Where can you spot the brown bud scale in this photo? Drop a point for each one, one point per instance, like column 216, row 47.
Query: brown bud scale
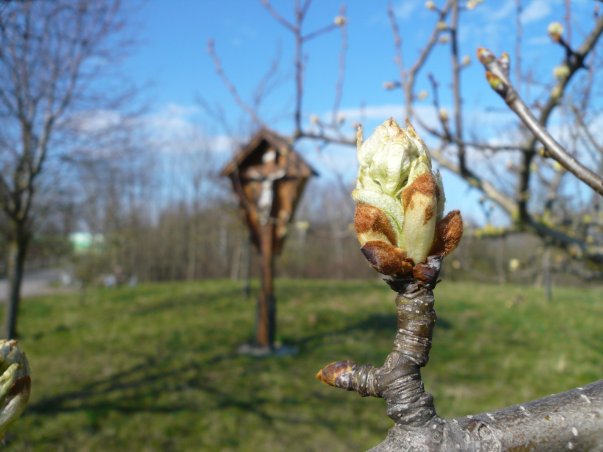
column 449, row 231
column 387, row 259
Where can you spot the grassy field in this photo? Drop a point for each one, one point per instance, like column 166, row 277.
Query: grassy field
column 156, row 368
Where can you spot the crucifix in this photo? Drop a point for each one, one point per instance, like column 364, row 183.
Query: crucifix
column 268, row 176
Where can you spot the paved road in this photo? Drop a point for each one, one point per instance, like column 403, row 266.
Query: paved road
column 38, row 282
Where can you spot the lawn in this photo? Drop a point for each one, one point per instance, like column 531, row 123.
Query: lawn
column 156, row 367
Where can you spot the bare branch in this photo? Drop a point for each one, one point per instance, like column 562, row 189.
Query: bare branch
column 342, row 67
column 518, row 39
column 280, row 19
column 506, row 203
column 456, row 88
column 590, row 137
column 321, row 31
column 211, row 50
column 328, row 138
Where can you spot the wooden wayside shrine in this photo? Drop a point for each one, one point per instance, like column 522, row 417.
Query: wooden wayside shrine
column 268, row 177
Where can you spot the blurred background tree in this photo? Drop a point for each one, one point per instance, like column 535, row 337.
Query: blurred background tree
column 57, row 63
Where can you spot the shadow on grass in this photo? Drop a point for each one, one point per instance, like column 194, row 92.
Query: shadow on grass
column 384, row 324
column 138, row 388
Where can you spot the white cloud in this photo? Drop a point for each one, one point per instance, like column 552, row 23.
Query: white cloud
column 494, row 21
column 502, row 12
column 373, row 112
column 174, row 129
column 94, row 121
column 536, row 10
column 406, row 8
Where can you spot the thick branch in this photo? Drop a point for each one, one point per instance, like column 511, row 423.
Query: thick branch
column 567, row 421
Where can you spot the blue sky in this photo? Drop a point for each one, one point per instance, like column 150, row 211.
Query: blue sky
column 173, row 57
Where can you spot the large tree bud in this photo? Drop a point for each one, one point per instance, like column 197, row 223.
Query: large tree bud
column 15, row 383
column 400, row 202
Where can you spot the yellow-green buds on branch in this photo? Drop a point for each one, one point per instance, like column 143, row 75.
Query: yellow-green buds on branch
column 472, row 4
column 485, row 56
column 555, row 30
column 15, row 383
column 561, row 72
column 400, row 202
column 443, row 114
column 339, row 21
column 497, row 70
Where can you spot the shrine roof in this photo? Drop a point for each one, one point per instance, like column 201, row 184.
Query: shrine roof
column 251, row 153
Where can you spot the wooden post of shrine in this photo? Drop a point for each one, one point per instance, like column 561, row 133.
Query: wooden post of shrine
column 266, row 311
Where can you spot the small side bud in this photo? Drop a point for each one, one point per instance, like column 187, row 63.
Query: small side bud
column 485, row 56
column 505, row 62
column 337, row 374
column 555, row 31
column 430, row 6
column 472, row 4
column 339, row 21
column 466, row 61
column 496, row 83
column 561, row 72
column 422, row 95
column 443, row 114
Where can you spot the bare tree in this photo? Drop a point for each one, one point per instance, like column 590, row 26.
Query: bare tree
column 51, row 56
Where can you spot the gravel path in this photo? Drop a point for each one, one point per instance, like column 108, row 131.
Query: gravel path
column 38, row 282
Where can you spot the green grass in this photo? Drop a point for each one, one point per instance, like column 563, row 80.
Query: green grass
column 156, row 367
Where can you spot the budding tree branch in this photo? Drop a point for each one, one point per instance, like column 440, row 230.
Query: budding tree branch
column 497, row 75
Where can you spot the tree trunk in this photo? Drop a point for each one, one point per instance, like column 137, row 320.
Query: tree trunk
column 17, row 250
